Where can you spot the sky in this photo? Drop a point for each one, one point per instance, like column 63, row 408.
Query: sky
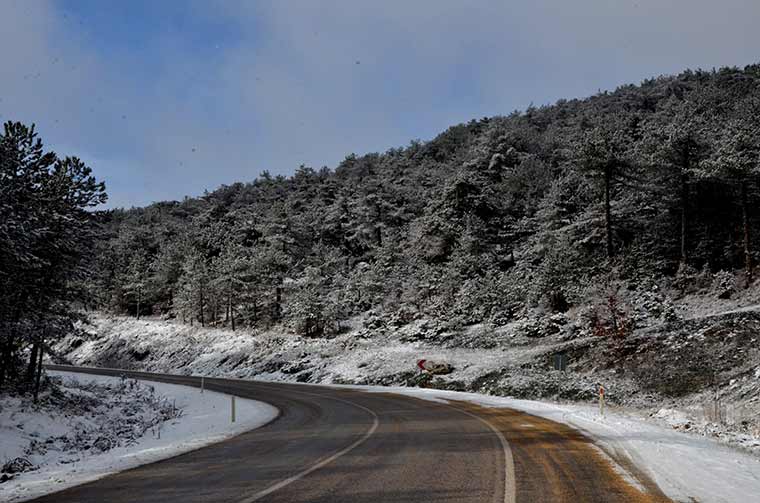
column 166, row 99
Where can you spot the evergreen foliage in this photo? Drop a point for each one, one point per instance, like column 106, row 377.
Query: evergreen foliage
column 46, row 241
column 487, row 219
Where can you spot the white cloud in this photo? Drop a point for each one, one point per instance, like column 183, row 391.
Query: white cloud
column 312, row 81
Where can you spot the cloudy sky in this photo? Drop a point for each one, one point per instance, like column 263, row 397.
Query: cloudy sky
column 168, row 98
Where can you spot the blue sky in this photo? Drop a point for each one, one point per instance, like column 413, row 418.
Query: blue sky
column 169, row 98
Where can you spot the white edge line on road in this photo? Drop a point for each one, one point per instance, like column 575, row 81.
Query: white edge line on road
column 322, row 462
column 510, row 485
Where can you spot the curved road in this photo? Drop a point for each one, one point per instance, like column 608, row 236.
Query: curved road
column 345, row 446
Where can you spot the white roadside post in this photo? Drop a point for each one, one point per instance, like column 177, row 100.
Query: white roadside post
column 601, row 400
column 232, row 403
column 202, row 384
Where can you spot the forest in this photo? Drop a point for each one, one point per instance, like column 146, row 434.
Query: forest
column 488, row 219
column 47, row 232
column 548, row 208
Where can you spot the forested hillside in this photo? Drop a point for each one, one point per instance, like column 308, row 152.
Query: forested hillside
column 582, row 203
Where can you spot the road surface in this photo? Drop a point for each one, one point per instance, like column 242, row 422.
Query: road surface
column 345, row 446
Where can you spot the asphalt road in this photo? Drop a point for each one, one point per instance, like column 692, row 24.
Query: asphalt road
column 345, row 446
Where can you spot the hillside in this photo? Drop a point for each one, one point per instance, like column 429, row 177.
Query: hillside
column 582, row 203
column 669, row 373
column 620, row 230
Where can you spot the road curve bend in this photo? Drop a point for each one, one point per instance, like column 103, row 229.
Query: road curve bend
column 345, row 446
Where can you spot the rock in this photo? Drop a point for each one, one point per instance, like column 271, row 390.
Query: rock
column 17, row 465
column 497, row 161
column 436, row 368
column 295, row 367
column 674, row 418
column 103, row 444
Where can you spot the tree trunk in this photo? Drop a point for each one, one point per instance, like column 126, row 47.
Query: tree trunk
column 2, row 364
column 6, row 357
column 232, row 315
column 278, row 299
column 7, row 350
column 608, row 209
column 32, row 367
column 378, row 229
column 745, row 224
column 39, row 371
column 203, row 319
column 684, row 210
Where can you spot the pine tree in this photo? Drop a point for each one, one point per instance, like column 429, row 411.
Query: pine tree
column 675, row 139
column 193, row 294
column 737, row 161
column 233, row 278
column 604, row 154
column 136, row 280
column 46, row 235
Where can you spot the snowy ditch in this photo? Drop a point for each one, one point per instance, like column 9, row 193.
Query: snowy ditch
column 93, row 439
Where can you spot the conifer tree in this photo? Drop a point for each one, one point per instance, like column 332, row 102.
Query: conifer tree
column 604, row 154
column 737, row 161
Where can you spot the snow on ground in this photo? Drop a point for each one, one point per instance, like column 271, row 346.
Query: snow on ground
column 158, row 345
column 698, row 305
column 501, row 362
column 205, row 419
column 685, row 467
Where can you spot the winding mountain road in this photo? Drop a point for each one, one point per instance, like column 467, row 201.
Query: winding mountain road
column 346, row 446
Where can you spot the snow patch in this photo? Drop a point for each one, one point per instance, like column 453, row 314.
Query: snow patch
column 674, row 418
column 205, row 420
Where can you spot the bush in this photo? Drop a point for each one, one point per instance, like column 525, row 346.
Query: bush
column 724, row 284
column 689, row 280
column 654, row 304
column 612, row 319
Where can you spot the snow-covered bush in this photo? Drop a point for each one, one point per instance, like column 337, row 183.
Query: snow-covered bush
column 724, row 284
column 540, row 326
column 652, row 304
column 690, row 280
column 16, row 465
column 94, row 418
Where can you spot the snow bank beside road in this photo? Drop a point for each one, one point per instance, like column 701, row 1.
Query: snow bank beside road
column 205, row 420
column 686, row 467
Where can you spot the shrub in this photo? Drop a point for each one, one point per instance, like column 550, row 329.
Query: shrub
column 612, row 319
